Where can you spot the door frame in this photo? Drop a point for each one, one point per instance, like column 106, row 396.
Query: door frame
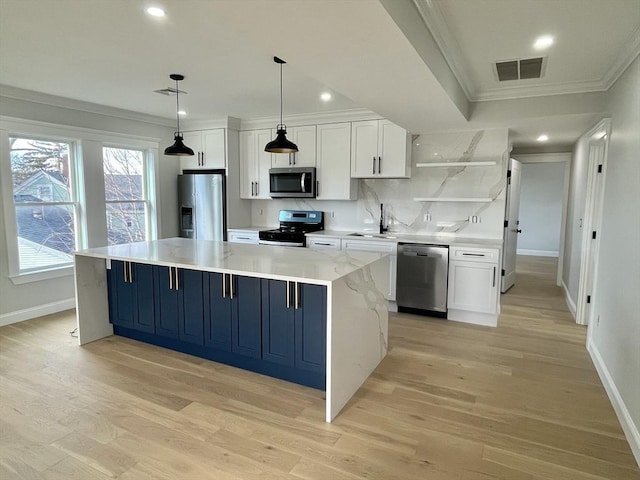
column 592, row 220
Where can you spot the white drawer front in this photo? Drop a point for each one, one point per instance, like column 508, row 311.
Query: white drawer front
column 368, row 246
column 470, row 254
column 324, row 243
column 243, row 237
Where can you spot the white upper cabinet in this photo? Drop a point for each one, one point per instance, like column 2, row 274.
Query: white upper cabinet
column 334, row 163
column 209, row 149
column 254, row 164
column 305, row 138
column 380, row 149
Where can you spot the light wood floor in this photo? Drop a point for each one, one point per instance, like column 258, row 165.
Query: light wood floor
column 450, row 401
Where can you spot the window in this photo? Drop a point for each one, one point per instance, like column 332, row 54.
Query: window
column 44, row 199
column 125, row 185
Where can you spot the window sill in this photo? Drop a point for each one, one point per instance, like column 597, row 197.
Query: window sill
column 38, row 276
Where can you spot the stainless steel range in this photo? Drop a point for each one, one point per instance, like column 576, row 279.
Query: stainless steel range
column 293, row 225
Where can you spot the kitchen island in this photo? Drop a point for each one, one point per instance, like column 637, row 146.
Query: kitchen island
column 307, row 316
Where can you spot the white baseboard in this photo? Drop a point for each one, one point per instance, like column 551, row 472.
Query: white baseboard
column 38, row 311
column 570, row 303
column 486, row 319
column 538, row 253
column 629, row 428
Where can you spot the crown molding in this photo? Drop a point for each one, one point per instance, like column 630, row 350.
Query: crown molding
column 510, row 93
column 310, row 119
column 433, row 18
column 80, row 105
column 628, row 54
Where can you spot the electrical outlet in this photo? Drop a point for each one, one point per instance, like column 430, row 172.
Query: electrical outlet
column 261, row 211
column 427, row 217
column 474, row 219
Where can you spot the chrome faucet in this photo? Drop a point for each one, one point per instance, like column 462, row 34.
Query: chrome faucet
column 382, row 227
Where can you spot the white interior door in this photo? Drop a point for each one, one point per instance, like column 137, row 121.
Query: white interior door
column 511, row 228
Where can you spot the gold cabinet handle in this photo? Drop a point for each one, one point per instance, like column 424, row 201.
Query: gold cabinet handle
column 170, row 279
column 130, row 273
column 288, row 295
column 297, row 295
column 224, row 285
column 231, row 285
column 177, row 278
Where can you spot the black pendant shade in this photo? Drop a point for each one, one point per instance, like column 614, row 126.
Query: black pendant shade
column 280, row 144
column 178, row 148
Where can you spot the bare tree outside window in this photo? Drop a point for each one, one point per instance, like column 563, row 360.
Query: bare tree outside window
column 43, row 201
column 125, row 195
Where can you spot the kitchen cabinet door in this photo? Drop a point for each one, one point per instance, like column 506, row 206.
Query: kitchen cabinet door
column 167, row 302
column 246, row 318
column 209, row 148
column 131, row 301
column 278, row 322
column 218, row 312
column 191, row 296
column 254, row 164
column 473, row 286
column 379, row 149
column 333, row 161
column 310, row 327
column 305, row 138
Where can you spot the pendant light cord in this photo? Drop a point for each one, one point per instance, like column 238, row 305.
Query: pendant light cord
column 177, row 107
column 280, row 94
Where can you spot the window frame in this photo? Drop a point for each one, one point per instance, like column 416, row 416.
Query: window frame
column 86, row 233
column 148, row 189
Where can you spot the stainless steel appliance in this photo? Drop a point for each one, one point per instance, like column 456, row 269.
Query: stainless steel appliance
column 293, row 225
column 422, row 278
column 296, row 182
column 202, row 204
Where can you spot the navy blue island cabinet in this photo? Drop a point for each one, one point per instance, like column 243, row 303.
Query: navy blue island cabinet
column 273, row 327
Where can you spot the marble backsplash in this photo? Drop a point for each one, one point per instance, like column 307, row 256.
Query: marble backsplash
column 452, row 186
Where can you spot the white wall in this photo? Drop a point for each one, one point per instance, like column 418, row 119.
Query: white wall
column 19, row 302
column 614, row 340
column 541, row 196
column 406, row 215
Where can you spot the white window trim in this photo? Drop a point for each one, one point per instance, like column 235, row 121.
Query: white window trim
column 10, row 126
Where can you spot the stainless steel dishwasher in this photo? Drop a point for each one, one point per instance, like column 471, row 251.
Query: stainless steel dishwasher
column 422, row 278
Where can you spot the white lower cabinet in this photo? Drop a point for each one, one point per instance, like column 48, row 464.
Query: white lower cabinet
column 378, row 247
column 242, row 236
column 474, row 277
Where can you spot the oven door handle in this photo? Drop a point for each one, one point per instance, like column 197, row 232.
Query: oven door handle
column 302, row 187
column 281, row 244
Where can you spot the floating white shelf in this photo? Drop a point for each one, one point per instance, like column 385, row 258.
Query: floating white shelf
column 455, row 164
column 452, row 199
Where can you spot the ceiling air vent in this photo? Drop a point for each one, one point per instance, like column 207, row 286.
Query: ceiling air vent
column 519, row 69
column 168, row 91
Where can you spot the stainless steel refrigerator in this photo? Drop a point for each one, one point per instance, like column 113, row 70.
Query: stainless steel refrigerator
column 202, row 205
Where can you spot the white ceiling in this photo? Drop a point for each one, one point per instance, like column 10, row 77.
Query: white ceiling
column 109, row 52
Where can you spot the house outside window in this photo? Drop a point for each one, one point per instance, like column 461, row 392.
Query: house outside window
column 126, row 194
column 45, row 202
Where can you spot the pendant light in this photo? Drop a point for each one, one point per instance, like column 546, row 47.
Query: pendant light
column 178, row 148
column 281, row 144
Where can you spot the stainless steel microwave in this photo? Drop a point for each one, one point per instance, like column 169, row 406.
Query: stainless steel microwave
column 296, row 182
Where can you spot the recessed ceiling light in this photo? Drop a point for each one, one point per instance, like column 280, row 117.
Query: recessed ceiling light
column 543, row 42
column 325, row 97
column 543, row 138
column 182, row 112
column 156, row 12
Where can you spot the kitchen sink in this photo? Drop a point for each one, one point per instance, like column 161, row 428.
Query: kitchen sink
column 372, row 235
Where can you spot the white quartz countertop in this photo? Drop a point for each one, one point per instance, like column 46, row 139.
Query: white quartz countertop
column 437, row 239
column 320, row 267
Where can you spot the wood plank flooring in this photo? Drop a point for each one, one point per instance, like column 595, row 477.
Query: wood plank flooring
column 451, row 401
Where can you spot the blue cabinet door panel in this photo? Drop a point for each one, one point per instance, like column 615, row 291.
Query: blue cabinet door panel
column 311, row 328
column 191, row 295
column 218, row 313
column 167, row 304
column 246, row 317
column 125, row 310
column 277, row 322
column 143, row 279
